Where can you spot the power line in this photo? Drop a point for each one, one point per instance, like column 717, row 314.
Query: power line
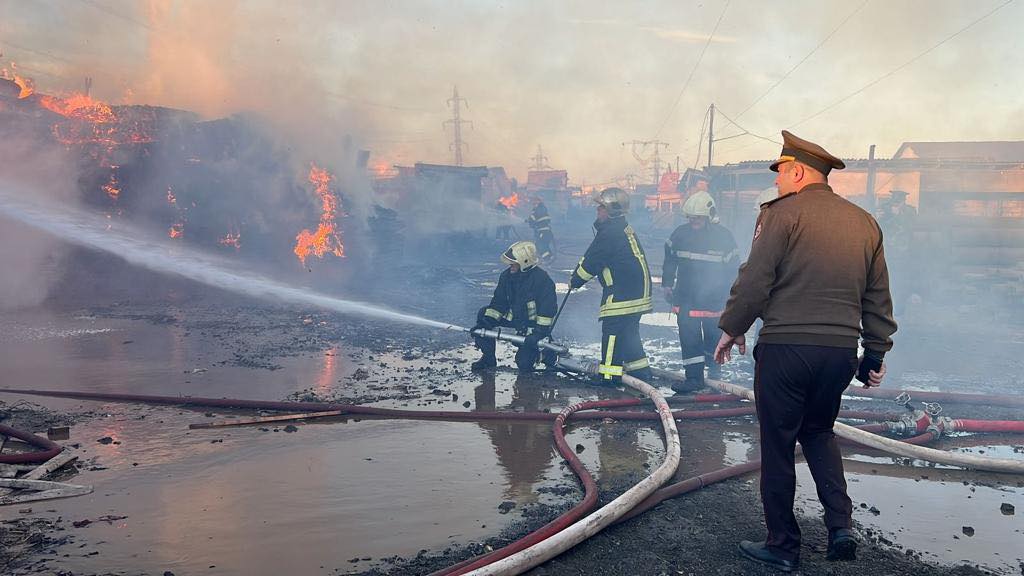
column 804, row 59
column 745, row 131
column 38, row 52
column 692, row 71
column 903, row 65
column 117, row 14
column 375, row 104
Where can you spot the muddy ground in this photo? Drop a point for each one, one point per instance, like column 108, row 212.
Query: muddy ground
column 230, row 347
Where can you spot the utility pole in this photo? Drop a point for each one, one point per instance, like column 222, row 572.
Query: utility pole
column 711, row 131
column 640, row 148
column 540, row 161
column 869, row 195
column 456, row 122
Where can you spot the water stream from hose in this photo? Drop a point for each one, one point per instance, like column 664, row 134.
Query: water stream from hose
column 158, row 255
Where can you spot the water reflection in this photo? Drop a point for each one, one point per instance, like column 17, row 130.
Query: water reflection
column 524, row 449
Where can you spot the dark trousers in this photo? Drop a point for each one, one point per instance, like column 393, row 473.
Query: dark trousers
column 622, row 350
column 526, row 357
column 697, row 339
column 544, row 240
column 798, row 391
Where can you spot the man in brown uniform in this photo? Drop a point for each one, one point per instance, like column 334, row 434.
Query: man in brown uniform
column 816, row 275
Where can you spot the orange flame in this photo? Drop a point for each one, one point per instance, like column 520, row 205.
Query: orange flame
column 233, row 239
column 111, row 188
column 25, row 84
column 509, row 201
column 79, row 106
column 326, row 239
column 176, row 230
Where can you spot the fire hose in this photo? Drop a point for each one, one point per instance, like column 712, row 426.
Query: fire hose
column 49, row 447
column 976, row 462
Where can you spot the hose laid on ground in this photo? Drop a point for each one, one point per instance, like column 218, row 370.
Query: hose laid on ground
column 895, row 447
column 702, row 480
column 49, row 447
column 565, row 519
column 580, row 531
column 952, row 397
column 959, row 425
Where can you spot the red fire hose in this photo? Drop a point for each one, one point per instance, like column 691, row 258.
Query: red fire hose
column 955, row 425
column 50, row 448
column 564, row 520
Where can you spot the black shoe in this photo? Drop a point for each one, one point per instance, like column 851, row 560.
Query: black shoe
column 842, row 545
column 688, row 386
column 485, row 363
column 759, row 553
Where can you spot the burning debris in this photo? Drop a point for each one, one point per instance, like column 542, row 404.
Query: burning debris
column 326, row 239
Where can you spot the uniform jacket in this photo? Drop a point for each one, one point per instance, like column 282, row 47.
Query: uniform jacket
column 617, row 259
column 816, row 274
column 524, row 300
column 700, row 265
column 539, row 219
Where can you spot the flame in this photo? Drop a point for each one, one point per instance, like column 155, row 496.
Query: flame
column 26, row 85
column 509, row 201
column 233, row 239
column 79, row 106
column 176, row 230
column 326, row 239
column 111, row 188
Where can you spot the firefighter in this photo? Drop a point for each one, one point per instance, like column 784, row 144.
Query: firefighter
column 540, row 222
column 897, row 219
column 701, row 259
column 523, row 300
column 616, row 258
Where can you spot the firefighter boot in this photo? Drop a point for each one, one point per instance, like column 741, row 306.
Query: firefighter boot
column 486, row 362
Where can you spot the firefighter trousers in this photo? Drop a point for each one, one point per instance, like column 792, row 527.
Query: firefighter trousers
column 622, row 350
column 798, row 390
column 526, row 357
column 698, row 337
column 545, row 241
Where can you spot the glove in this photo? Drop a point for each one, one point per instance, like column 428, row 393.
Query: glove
column 531, row 340
column 575, row 281
column 870, row 362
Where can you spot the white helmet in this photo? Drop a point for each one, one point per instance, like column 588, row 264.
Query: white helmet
column 700, row 204
column 766, row 195
column 523, row 253
column 614, row 200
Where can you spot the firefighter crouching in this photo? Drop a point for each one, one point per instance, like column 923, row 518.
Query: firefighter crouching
column 523, row 300
column 616, row 258
column 540, row 222
column 700, row 264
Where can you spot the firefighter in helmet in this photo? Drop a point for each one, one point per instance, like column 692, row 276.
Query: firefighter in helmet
column 523, row 300
column 616, row 258
column 540, row 222
column 701, row 259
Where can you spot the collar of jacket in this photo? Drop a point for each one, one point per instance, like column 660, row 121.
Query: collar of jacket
column 816, row 187
column 611, row 223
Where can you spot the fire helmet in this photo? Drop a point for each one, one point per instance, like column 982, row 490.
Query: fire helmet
column 614, row 200
column 523, row 253
column 766, row 195
column 699, row 204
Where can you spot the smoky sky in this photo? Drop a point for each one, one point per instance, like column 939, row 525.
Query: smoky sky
column 578, row 78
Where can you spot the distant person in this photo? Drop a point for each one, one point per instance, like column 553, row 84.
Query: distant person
column 700, row 264
column 503, row 228
column 616, row 258
column 540, row 222
column 524, row 300
column 817, row 276
column 897, row 219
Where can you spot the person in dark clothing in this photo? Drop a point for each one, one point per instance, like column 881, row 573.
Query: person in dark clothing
column 523, row 300
column 700, row 264
column 540, row 222
column 503, row 226
column 616, row 258
column 817, row 276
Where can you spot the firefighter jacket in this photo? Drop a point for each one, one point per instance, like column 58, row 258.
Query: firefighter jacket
column 525, row 301
column 700, row 265
column 617, row 259
column 539, row 219
column 816, row 275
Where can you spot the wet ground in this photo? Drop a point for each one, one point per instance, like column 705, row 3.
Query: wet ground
column 407, row 497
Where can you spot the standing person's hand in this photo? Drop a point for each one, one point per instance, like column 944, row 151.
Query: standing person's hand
column 875, row 377
column 723, row 352
column 871, row 369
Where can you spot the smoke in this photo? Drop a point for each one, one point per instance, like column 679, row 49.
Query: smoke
column 31, row 259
